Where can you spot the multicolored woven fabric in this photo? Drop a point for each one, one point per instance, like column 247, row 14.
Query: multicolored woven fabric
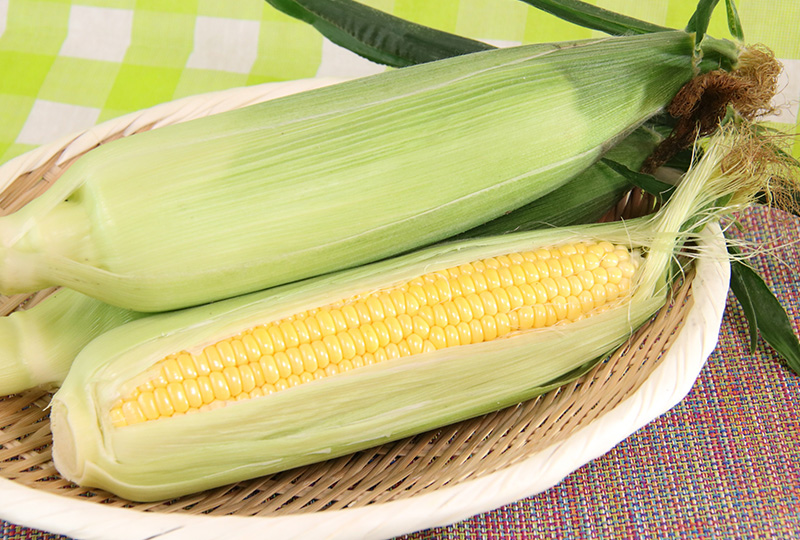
column 722, row 464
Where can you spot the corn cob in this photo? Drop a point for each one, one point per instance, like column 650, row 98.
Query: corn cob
column 338, row 176
column 472, row 303
column 180, row 402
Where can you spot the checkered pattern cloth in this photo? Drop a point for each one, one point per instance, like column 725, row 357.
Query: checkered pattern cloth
column 723, row 464
column 65, row 66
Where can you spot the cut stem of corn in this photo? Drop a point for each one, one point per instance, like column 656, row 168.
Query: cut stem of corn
column 338, row 176
column 184, row 401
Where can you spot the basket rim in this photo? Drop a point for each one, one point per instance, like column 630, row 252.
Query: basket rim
column 667, row 385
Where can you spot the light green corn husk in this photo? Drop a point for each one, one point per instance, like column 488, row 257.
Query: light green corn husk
column 366, row 406
column 38, row 345
column 338, row 176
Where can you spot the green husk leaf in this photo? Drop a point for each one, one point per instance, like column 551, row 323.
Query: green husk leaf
column 38, row 344
column 649, row 183
column 596, row 18
column 698, row 23
column 734, row 23
column 764, row 312
column 375, row 35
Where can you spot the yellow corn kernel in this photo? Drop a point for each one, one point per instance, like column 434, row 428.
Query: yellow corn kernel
column 187, row 367
column 147, row 404
column 193, row 396
column 226, row 354
column 132, row 413
column 172, row 370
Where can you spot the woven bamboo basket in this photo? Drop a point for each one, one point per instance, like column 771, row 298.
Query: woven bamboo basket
column 428, row 480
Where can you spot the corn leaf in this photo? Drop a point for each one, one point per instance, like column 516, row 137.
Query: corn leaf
column 376, row 35
column 764, row 312
column 742, row 294
column 700, row 19
column 38, row 344
column 661, row 190
column 596, row 18
column 734, row 23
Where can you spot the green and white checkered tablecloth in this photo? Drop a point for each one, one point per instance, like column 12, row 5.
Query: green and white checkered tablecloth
column 68, row 65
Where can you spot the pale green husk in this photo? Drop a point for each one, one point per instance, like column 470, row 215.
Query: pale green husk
column 585, row 198
column 38, row 345
column 361, row 408
column 338, row 176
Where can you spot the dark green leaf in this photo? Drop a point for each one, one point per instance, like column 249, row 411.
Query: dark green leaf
column 734, row 23
column 683, row 160
column 700, row 19
column 661, row 190
column 596, row 18
column 767, row 313
column 743, row 296
column 376, row 35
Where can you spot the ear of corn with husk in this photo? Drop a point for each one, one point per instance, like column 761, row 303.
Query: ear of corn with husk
column 339, row 176
column 377, row 389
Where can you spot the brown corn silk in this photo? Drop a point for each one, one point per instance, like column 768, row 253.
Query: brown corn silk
column 703, row 102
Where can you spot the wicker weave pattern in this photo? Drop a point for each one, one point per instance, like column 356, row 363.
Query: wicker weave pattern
column 405, row 468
